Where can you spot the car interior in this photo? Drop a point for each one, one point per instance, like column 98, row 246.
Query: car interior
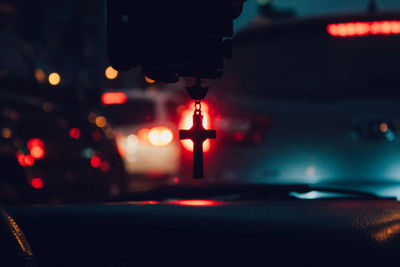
column 301, row 99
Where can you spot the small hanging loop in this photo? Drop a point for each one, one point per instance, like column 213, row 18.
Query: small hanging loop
column 197, row 106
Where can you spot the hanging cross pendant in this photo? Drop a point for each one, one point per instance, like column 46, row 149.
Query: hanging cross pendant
column 198, row 135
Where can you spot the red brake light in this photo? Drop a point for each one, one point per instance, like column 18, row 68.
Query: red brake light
column 113, row 98
column 349, row 29
column 187, row 123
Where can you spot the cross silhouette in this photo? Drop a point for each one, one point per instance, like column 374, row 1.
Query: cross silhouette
column 198, row 135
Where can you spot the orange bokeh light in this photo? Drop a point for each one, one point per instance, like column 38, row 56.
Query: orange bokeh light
column 111, row 73
column 54, row 78
column 148, row 80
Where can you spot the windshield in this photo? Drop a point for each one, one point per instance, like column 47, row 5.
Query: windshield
column 309, row 101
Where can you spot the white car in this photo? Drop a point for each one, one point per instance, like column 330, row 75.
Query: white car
column 144, row 123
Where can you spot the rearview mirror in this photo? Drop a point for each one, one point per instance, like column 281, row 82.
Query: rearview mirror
column 171, row 38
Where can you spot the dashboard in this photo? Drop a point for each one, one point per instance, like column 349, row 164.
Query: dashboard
column 215, row 233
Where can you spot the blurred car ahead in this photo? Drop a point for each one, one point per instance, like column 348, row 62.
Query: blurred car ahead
column 145, row 126
column 332, row 100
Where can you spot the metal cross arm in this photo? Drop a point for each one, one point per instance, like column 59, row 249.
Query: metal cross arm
column 198, row 135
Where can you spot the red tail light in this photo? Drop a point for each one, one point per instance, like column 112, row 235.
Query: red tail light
column 36, row 148
column 349, row 29
column 113, row 98
column 187, row 123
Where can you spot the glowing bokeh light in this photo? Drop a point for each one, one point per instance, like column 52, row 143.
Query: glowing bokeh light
column 37, row 152
column 40, row 75
column 35, row 142
column 75, row 133
column 54, row 78
column 21, row 158
column 148, row 80
column 101, row 122
column 95, row 161
column 111, row 73
column 29, row 160
column 6, row 133
column 113, row 98
column 160, row 136
column 36, row 148
column 37, row 183
column 383, row 127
